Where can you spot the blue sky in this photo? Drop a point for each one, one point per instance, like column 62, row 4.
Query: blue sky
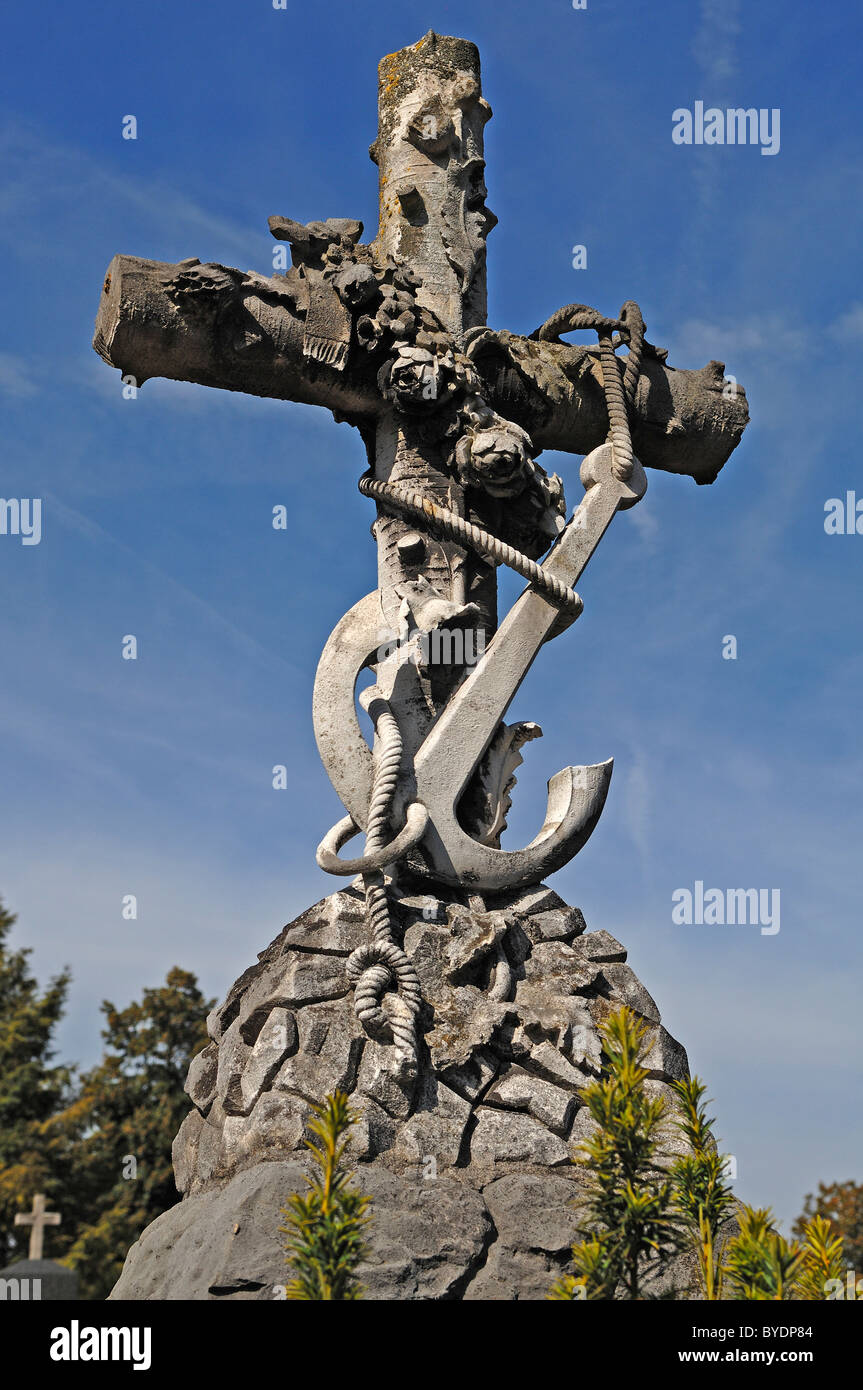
column 154, row 777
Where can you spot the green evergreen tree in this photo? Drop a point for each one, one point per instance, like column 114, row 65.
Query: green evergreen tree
column 842, row 1204
column 700, row 1192
column 642, row 1207
column 823, row 1259
column 759, row 1263
column 114, row 1139
column 627, row 1209
column 32, row 1088
column 325, row 1225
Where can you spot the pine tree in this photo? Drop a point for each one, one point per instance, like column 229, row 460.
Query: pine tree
column 842, row 1204
column 325, row 1225
column 701, row 1194
column 116, row 1135
column 823, row 1260
column 31, row 1090
column 760, row 1264
column 641, row 1207
column 627, row 1208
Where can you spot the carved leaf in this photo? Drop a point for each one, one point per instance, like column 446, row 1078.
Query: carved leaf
column 487, row 801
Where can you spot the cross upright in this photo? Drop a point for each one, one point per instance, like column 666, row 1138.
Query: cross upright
column 391, row 336
column 37, row 1219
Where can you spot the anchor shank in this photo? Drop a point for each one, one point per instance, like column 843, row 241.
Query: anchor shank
column 463, row 731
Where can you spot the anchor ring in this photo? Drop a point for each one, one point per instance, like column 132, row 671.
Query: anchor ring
column 327, row 854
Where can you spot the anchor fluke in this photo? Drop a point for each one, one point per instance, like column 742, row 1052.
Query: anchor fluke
column 576, row 796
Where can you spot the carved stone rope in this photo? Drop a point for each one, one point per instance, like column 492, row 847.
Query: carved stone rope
column 619, row 396
column 381, row 965
column 454, row 527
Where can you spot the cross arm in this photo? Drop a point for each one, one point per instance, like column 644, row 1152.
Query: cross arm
column 246, row 332
column 685, row 422
column 217, row 326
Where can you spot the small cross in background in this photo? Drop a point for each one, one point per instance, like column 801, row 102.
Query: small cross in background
column 38, row 1218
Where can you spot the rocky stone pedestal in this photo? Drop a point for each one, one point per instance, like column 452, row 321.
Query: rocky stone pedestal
column 468, row 1163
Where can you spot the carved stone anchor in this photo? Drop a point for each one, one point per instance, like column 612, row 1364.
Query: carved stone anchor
column 460, row 736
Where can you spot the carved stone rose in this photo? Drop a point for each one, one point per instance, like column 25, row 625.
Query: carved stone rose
column 413, row 379
column 355, row 284
column 495, row 456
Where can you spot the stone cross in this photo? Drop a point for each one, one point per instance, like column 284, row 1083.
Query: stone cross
column 38, row 1219
column 391, row 336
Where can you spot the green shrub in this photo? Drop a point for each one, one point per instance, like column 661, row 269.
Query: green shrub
column 627, row 1207
column 701, row 1195
column 325, row 1226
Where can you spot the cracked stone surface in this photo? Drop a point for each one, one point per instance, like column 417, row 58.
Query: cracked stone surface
column 469, row 1163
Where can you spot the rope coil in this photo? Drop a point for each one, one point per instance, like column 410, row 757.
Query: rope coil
column 619, row 395
column 381, row 965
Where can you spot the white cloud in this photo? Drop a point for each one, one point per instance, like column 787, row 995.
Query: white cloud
column 209, row 915
column 79, row 183
column 17, row 377
column 646, row 524
column 849, row 326
column 702, row 340
column 715, row 44
column 91, row 531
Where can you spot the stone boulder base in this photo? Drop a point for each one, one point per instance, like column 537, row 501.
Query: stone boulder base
column 468, row 1164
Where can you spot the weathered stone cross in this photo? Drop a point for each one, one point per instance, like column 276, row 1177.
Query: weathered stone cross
column 38, row 1219
column 391, row 337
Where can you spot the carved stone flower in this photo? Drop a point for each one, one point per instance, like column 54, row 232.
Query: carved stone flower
column 369, row 332
column 397, row 312
column 413, row 379
column 496, row 456
column 355, row 284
